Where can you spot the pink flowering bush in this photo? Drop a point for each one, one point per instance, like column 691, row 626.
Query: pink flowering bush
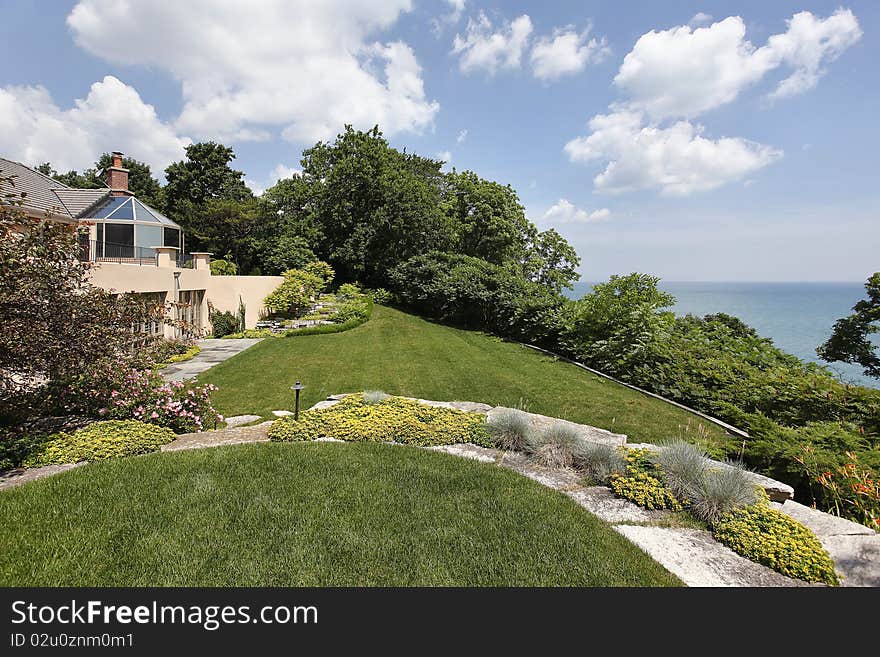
column 182, row 406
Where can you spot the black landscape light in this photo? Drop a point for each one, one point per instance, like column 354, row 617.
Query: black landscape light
column 297, row 387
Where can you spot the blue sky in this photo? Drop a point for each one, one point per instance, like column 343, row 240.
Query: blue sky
column 742, row 147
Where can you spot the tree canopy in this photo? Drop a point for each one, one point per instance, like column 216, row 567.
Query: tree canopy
column 850, row 341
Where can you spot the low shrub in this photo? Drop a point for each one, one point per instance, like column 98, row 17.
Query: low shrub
column 599, row 462
column 720, row 491
column 381, row 296
column 353, row 310
column 393, row 419
column 223, row 323
column 763, row 534
column 222, row 267
column 161, row 350
column 347, row 291
column 182, row 406
column 684, row 465
column 101, row 441
column 557, row 445
column 189, row 354
column 322, row 329
column 251, row 333
column 644, row 483
column 510, row 429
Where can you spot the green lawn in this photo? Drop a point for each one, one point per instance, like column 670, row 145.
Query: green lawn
column 405, row 355
column 307, row 514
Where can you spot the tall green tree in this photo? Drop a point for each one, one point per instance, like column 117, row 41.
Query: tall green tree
column 229, row 229
column 374, row 205
column 850, row 341
column 488, row 219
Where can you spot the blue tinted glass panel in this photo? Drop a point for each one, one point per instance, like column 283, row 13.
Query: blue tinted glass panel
column 112, row 205
column 143, row 213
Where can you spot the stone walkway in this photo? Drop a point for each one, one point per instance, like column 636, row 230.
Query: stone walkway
column 213, row 352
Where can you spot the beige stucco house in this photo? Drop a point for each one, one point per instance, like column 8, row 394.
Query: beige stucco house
column 136, row 249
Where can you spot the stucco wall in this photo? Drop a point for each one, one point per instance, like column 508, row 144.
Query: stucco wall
column 222, row 291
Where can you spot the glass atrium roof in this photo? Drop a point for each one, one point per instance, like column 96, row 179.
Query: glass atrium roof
column 128, row 208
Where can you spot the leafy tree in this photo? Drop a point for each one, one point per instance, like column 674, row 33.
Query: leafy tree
column 56, row 329
column 488, row 219
column 620, row 324
column 294, row 296
column 222, row 267
column 278, row 254
column 228, row 228
column 552, row 261
column 205, row 175
column 373, row 205
column 850, row 341
column 322, row 270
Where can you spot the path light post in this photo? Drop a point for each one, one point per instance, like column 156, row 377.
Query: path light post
column 297, row 387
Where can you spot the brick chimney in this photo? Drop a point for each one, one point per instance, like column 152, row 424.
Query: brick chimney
column 117, row 177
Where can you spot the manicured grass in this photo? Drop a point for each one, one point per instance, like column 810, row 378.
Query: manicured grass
column 405, row 355
column 307, row 514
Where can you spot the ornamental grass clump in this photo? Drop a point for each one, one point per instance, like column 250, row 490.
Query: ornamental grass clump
column 685, row 467
column 510, row 429
column 722, row 490
column 557, row 446
column 374, row 397
column 599, row 461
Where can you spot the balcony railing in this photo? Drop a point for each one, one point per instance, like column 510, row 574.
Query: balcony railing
column 94, row 251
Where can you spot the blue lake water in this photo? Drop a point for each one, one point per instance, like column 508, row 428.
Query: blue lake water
column 798, row 317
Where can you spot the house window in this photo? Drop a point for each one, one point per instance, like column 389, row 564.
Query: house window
column 119, row 241
column 172, row 237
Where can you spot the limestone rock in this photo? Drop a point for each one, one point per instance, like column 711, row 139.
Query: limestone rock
column 856, row 558
column 593, row 434
column 282, row 413
column 239, row 420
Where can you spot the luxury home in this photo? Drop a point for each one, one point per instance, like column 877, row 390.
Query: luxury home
column 135, row 248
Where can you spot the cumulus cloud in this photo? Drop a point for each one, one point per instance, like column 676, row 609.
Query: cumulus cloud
column 485, row 47
column 566, row 212
column 677, row 160
column 649, row 140
column 700, row 18
column 33, row 129
column 566, row 52
column 304, row 67
column 684, row 72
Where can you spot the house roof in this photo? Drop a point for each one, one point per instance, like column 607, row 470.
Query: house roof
column 45, row 195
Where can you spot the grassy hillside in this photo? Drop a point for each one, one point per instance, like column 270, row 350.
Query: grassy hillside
column 405, row 355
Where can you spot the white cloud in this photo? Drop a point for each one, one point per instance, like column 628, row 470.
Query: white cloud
column 484, row 47
column 565, row 53
column 445, row 156
column 677, row 161
column 304, row 67
column 456, row 10
column 111, row 117
column 565, row 212
column 808, row 43
column 683, row 72
column 700, row 18
column 461, row 136
column 282, row 171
